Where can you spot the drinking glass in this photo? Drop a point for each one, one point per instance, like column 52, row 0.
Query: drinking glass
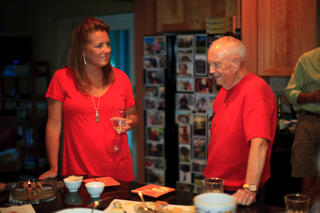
column 297, row 203
column 213, row 185
column 119, row 121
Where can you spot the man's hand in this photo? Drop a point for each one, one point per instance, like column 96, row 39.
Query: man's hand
column 304, row 98
column 245, row 197
column 316, row 96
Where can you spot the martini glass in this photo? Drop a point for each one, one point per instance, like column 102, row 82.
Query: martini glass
column 119, row 122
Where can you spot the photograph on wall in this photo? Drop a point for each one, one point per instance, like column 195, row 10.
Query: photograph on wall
column 201, row 103
column 161, row 104
column 155, row 162
column 183, row 117
column 197, row 178
column 185, row 187
column 160, row 45
column 200, row 65
column 201, row 44
column 154, row 149
column 184, row 134
column 151, row 91
column 185, row 84
column 151, row 62
column 185, row 173
column 155, row 117
column 211, row 38
column 185, row 101
column 154, row 77
column 184, row 153
column 162, row 91
column 150, row 103
column 155, row 133
column 198, row 165
column 162, row 62
column 204, row 85
column 156, row 176
column 185, row 41
column 184, row 69
column 199, row 124
column 199, row 148
column 185, row 56
column 211, row 98
column 148, row 45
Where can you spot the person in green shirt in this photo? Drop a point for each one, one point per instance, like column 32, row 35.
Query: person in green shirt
column 303, row 92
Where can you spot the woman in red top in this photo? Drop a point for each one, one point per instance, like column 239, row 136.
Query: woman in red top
column 83, row 96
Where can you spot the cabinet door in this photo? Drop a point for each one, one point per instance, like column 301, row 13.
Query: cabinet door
column 191, row 15
column 172, row 15
column 286, row 29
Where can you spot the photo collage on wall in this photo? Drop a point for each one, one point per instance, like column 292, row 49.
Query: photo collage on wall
column 154, row 64
column 196, row 92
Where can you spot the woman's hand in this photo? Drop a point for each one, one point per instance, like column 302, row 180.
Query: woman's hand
column 125, row 129
column 128, row 127
column 49, row 174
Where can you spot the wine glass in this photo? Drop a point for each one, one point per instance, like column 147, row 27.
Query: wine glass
column 119, row 121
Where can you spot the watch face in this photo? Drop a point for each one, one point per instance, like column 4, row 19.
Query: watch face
column 253, row 188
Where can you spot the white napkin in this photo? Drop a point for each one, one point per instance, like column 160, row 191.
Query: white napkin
column 27, row 208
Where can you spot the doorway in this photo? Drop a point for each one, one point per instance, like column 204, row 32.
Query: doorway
column 122, row 57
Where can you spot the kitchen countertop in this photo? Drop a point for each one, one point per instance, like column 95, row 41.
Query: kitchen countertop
column 81, row 199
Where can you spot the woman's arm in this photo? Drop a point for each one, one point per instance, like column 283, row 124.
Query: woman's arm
column 133, row 118
column 53, row 131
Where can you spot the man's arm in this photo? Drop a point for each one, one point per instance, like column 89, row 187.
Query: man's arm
column 256, row 162
column 304, row 98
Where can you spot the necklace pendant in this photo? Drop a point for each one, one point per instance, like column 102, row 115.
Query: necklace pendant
column 97, row 116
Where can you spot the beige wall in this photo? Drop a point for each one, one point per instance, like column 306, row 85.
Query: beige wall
column 36, row 18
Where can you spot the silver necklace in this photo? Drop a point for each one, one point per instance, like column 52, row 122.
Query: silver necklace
column 97, row 108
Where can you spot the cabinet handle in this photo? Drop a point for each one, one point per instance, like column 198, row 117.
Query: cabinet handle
column 190, row 15
column 196, row 14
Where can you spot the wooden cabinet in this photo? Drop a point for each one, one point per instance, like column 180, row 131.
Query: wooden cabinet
column 26, row 94
column 277, row 33
column 191, row 15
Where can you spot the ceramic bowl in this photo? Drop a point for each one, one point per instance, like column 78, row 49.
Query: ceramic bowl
column 156, row 207
column 95, row 188
column 72, row 186
column 215, row 203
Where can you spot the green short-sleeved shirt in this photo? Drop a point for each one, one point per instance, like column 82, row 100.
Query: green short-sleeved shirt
column 305, row 78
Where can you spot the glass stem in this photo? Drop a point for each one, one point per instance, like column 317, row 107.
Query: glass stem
column 117, row 139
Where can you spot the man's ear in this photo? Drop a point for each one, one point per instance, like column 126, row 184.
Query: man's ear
column 237, row 61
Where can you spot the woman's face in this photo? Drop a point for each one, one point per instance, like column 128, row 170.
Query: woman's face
column 98, row 50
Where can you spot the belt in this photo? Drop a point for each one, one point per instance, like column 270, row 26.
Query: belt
column 304, row 112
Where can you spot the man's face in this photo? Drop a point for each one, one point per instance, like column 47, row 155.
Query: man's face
column 221, row 67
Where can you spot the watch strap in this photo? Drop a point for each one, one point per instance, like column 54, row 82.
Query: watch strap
column 250, row 187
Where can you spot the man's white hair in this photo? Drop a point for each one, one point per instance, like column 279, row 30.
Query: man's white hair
column 229, row 45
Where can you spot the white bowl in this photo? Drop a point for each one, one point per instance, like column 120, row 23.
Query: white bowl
column 215, row 203
column 72, row 186
column 95, row 188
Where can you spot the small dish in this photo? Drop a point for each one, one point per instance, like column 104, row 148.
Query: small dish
column 153, row 190
column 72, row 186
column 155, row 207
column 95, row 188
column 79, row 210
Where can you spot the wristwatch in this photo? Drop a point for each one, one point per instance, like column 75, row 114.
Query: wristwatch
column 250, row 187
